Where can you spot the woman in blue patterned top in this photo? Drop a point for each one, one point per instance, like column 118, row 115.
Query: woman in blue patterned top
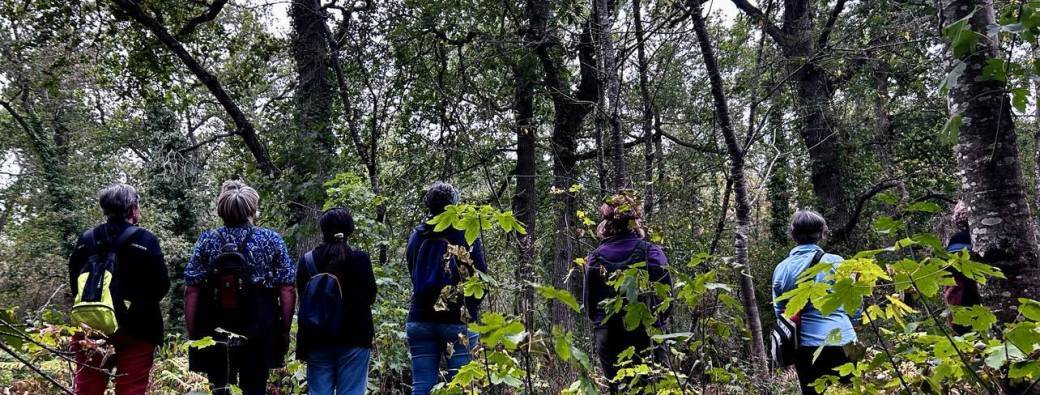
column 221, row 296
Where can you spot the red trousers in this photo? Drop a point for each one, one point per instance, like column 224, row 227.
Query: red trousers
column 132, row 361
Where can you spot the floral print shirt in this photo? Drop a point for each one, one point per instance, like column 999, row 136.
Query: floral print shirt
column 267, row 256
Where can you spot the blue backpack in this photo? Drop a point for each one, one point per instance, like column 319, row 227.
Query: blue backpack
column 433, row 271
column 321, row 306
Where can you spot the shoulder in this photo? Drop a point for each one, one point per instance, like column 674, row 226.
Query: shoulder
column 832, row 258
column 146, row 239
column 655, row 252
column 268, row 234
column 360, row 255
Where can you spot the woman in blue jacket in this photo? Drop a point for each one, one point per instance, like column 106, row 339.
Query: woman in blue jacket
column 807, row 229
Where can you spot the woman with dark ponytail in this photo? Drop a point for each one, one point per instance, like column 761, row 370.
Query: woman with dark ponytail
column 337, row 290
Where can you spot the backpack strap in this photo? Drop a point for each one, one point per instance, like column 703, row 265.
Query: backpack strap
column 639, row 253
column 106, row 244
column 125, row 236
column 308, row 262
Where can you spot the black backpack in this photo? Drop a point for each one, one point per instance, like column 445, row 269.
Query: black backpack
column 321, row 303
column 229, row 282
column 784, row 340
column 604, row 267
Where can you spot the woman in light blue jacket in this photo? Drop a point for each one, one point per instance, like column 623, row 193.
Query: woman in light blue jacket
column 807, row 229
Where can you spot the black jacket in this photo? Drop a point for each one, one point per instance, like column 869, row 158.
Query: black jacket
column 358, row 284
column 141, row 275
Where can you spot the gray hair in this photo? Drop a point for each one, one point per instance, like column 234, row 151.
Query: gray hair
column 237, row 203
column 807, row 227
column 118, row 200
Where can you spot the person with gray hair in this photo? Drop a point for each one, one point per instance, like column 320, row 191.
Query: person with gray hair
column 139, row 283
column 808, row 228
column 241, row 279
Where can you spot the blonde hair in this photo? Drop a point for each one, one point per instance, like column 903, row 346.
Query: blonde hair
column 237, row 203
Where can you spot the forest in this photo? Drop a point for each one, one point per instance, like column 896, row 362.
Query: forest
column 724, row 117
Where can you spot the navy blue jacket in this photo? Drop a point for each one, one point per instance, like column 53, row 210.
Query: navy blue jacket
column 421, row 312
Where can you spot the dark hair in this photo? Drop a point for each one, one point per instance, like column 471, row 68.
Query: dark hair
column 440, row 195
column 118, row 200
column 337, row 224
column 807, row 227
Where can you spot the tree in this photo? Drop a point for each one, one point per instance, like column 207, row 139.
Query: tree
column 309, row 162
column 569, row 111
column 244, row 127
column 1002, row 229
column 740, row 194
column 805, row 47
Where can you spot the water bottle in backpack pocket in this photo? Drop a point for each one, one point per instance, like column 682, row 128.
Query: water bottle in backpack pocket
column 96, row 285
column 321, row 303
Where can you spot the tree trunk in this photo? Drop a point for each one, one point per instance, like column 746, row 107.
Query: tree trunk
column 740, row 194
column 570, row 108
column 1002, row 232
column 525, row 199
column 800, row 43
column 779, row 185
column 648, row 110
column 603, row 12
column 310, row 152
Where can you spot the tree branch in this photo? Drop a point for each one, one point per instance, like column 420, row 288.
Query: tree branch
column 687, row 144
column 832, row 18
column 206, row 141
column 763, row 20
column 244, row 126
column 206, row 16
column 17, row 118
column 842, row 233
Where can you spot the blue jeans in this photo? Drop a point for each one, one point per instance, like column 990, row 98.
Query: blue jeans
column 428, row 343
column 339, row 370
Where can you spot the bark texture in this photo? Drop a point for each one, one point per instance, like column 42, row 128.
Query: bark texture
column 313, row 146
column 1001, row 226
column 742, row 203
column 803, row 45
column 570, row 108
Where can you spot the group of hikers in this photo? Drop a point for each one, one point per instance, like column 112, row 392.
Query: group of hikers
column 242, row 290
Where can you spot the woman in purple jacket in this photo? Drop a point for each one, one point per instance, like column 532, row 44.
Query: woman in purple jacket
column 621, row 237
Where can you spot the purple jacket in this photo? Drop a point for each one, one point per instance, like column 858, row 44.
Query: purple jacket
column 618, row 249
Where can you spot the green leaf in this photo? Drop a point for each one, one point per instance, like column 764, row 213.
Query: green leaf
column 980, row 318
column 962, row 39
column 974, row 271
column 638, row 315
column 1020, row 99
column 924, row 207
column 886, row 225
column 1029, row 309
column 845, row 294
column 800, row 296
column 202, row 343
column 953, row 78
column 474, row 287
column 560, row 295
column 995, row 69
column 952, row 129
column 833, row 338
